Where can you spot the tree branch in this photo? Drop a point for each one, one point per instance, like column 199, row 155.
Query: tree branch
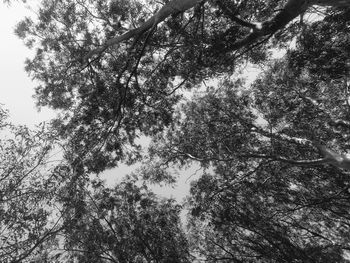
column 291, row 10
column 171, row 8
column 229, row 13
column 334, row 3
column 281, row 136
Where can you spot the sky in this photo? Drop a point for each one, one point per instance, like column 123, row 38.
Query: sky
column 16, row 87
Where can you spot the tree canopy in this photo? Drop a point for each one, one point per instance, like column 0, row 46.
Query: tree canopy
column 274, row 182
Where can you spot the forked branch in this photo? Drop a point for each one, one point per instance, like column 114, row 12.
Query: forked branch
column 291, row 10
column 171, row 8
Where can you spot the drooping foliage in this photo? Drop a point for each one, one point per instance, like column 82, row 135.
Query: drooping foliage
column 127, row 224
column 26, row 189
column 130, row 89
column 51, row 213
column 264, row 196
column 264, row 199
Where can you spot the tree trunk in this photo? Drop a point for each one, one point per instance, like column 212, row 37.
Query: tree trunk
column 331, row 2
column 172, row 7
column 291, row 10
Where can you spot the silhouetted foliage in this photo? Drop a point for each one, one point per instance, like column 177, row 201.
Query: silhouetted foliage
column 119, row 70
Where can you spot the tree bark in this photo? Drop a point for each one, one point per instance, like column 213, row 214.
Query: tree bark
column 334, row 158
column 291, row 10
column 334, row 3
column 172, row 7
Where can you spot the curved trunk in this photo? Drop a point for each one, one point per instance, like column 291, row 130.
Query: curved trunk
column 331, row 2
column 291, row 10
column 172, row 7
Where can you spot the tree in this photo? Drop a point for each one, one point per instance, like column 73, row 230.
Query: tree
column 127, row 224
column 26, row 189
column 290, row 10
column 111, row 96
column 266, row 196
column 54, row 214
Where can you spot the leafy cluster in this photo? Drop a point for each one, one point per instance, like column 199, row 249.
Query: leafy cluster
column 261, row 195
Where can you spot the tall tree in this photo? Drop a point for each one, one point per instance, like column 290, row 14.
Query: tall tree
column 111, row 94
column 127, row 223
column 26, row 191
column 270, row 196
column 115, row 71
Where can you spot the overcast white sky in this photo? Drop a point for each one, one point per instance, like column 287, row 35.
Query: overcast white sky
column 16, row 88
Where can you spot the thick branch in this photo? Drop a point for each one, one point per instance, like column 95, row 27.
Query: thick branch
column 172, row 7
column 286, row 160
column 334, row 158
column 257, row 156
column 229, row 13
column 281, row 136
column 329, row 157
column 291, row 10
column 335, row 3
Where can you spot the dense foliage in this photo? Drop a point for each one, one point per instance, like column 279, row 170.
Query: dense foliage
column 25, row 187
column 126, row 224
column 262, row 195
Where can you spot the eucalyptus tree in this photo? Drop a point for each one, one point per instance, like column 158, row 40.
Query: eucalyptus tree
column 50, row 213
column 269, row 195
column 127, row 223
column 27, row 228
column 115, row 69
